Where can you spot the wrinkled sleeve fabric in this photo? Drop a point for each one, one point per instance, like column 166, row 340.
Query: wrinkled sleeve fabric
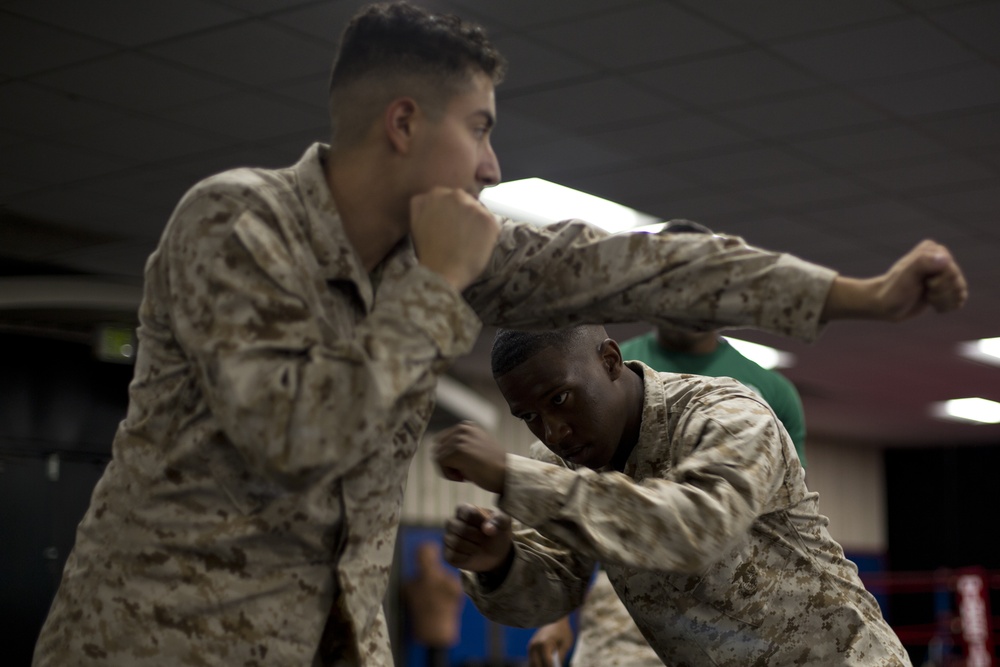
column 572, row 273
column 730, row 465
column 298, row 401
column 546, row 581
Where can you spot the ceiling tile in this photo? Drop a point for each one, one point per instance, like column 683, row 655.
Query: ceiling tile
column 754, row 164
column 123, row 258
column 710, row 209
column 675, row 137
column 54, row 163
column 931, row 174
column 747, row 75
column 141, row 140
column 967, row 86
column 527, row 13
column 972, row 129
column 934, row 5
column 263, row 6
column 875, row 51
column 224, row 159
column 27, row 47
column 559, row 158
column 804, row 193
column 648, row 33
column 976, row 24
column 135, row 81
column 149, row 186
column 866, row 147
column 325, row 20
column 33, row 110
column 514, row 130
column 247, row 117
column 530, row 64
column 310, row 91
column 127, row 22
column 801, row 115
column 236, row 52
column 629, row 184
column 608, row 101
column 769, row 19
column 13, row 185
column 876, row 217
column 77, row 206
column 984, row 199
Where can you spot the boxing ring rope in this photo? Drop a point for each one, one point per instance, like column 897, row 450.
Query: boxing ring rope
column 961, row 630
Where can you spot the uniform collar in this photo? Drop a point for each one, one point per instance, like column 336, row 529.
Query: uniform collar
column 337, row 258
column 654, row 422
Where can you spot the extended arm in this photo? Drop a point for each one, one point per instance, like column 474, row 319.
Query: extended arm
column 571, row 272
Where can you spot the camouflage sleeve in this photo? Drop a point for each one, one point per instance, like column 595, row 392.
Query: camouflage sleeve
column 300, row 388
column 546, row 582
column 572, row 273
column 729, row 465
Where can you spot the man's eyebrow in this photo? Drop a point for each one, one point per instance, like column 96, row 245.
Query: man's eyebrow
column 548, row 391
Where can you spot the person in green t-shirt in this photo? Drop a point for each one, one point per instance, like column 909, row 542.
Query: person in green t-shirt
column 608, row 637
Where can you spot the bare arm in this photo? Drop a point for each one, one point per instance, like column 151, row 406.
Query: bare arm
column 927, row 276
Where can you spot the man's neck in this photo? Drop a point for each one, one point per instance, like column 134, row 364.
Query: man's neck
column 635, row 401
column 373, row 222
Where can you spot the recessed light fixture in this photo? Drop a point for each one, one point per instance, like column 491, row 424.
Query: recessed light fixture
column 768, row 357
column 975, row 410
column 544, row 202
column 986, row 350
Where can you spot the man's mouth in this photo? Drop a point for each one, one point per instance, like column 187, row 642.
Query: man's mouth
column 572, row 452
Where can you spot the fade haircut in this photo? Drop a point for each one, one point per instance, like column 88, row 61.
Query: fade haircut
column 389, row 50
column 513, row 348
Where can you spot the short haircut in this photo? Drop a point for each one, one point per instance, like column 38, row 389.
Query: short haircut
column 512, row 348
column 394, row 49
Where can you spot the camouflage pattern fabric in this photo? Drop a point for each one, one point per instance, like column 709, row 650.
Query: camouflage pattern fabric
column 709, row 536
column 608, row 637
column 249, row 514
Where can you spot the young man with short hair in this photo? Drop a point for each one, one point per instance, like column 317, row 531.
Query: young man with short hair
column 292, row 330
column 688, row 491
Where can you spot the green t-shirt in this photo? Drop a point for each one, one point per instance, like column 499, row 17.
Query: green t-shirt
column 725, row 361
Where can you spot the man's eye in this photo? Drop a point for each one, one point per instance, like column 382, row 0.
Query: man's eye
column 528, row 417
column 560, row 398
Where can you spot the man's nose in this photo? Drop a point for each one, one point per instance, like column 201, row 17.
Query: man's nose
column 489, row 169
column 556, row 431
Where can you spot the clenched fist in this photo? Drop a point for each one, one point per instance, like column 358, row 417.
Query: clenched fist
column 453, row 234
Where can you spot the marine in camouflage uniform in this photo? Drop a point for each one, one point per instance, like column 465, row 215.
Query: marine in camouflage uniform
column 703, row 522
column 608, row 636
column 289, row 345
column 279, row 395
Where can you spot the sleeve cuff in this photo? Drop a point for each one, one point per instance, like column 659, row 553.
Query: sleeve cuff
column 534, row 491
column 795, row 308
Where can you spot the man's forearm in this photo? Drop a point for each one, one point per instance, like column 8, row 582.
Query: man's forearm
column 850, row 298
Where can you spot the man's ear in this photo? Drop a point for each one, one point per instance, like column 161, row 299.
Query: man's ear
column 611, row 357
column 400, row 121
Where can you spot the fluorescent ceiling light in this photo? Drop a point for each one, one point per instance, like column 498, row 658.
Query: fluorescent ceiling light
column 768, row 357
column 978, row 410
column 543, row 203
column 986, row 350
